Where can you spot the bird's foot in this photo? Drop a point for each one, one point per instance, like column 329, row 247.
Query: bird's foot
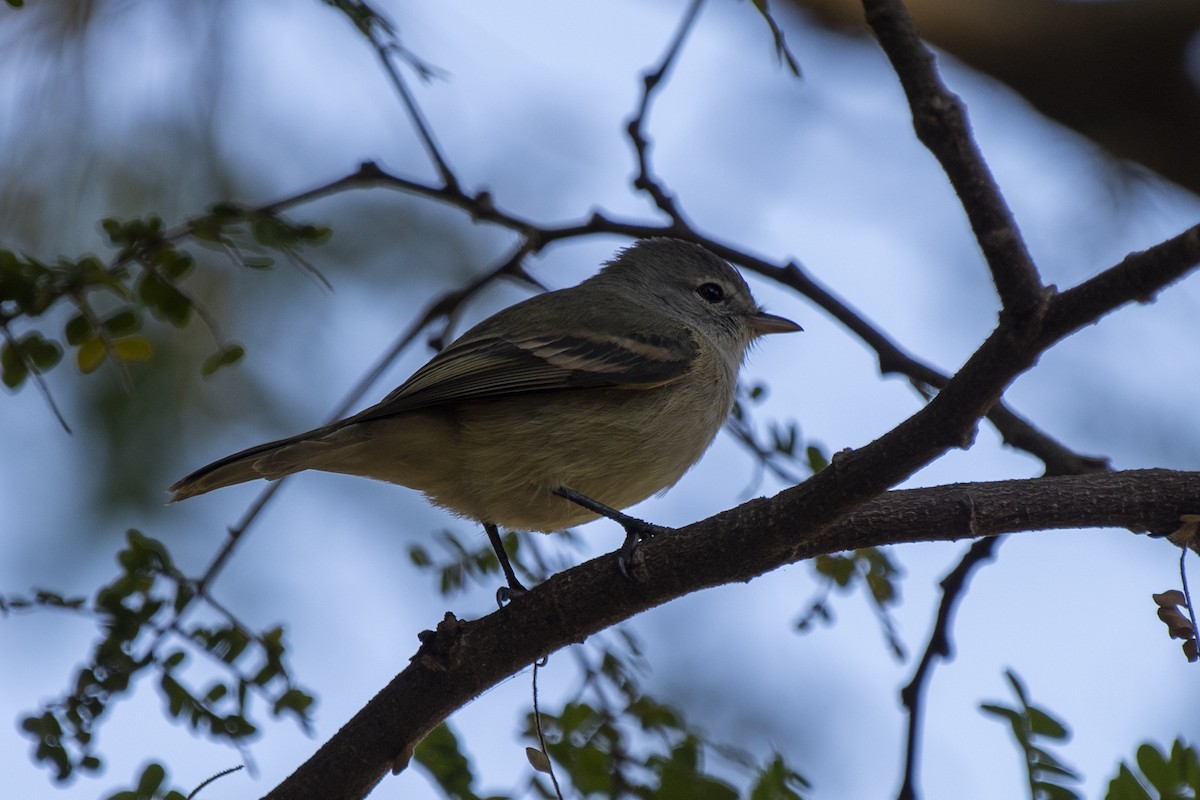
column 636, row 530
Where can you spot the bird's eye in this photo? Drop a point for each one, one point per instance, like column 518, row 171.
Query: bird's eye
column 710, row 292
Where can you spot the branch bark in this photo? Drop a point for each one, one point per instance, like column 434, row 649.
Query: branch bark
column 940, row 122
column 464, row 658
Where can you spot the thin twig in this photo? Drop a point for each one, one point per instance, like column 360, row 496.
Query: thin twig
column 33, row 372
column 106, row 341
column 220, row 774
column 644, row 181
column 1187, row 594
column 537, row 724
column 385, row 43
column 954, row 586
column 766, row 458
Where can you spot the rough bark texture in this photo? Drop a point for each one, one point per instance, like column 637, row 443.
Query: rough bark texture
column 464, row 658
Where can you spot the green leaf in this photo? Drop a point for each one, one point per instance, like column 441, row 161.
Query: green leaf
column 441, row 756
column 151, row 781
column 230, row 354
column 133, row 349
column 777, row 781
column 42, row 353
column 999, row 711
column 12, row 369
column 294, row 701
column 1017, row 686
column 121, row 323
column 78, row 329
column 682, row 779
column 817, row 460
column 838, row 567
column 90, row 355
column 1048, row 777
column 654, row 716
column 1053, row 791
column 419, row 556
column 1125, row 786
column 1045, row 725
column 164, row 300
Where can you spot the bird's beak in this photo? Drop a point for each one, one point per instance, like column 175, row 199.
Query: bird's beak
column 763, row 323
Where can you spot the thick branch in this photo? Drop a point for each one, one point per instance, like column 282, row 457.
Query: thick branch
column 464, row 659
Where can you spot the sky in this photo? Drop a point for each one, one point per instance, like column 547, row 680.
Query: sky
column 182, row 105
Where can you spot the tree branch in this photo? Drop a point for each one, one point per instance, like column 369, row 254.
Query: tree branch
column 940, row 646
column 1016, row 431
column 941, row 124
column 464, row 658
column 636, row 127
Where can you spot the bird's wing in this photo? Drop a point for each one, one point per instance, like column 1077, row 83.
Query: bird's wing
column 486, row 366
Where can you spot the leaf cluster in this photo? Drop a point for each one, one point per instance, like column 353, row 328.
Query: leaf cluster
column 869, row 568
column 1033, row 729
column 1158, row 775
column 620, row 743
column 144, row 277
column 139, row 613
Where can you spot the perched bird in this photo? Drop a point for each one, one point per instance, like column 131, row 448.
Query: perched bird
column 564, row 407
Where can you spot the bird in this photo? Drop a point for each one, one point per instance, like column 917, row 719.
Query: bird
column 570, row 405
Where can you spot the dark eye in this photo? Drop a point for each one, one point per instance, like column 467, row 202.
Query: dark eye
column 710, row 292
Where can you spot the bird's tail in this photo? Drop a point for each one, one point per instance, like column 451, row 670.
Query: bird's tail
column 272, row 461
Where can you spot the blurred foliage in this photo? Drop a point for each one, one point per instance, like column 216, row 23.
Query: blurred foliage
column 870, row 568
column 111, row 299
column 140, row 614
column 459, row 563
column 611, row 739
column 442, row 757
column 782, row 52
column 151, row 785
column 781, row 449
column 1157, row 775
column 1049, row 778
column 637, row 747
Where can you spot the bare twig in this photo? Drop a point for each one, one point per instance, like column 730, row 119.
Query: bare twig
column 209, row 780
column 32, row 370
column 1187, row 593
column 651, row 80
column 940, row 647
column 537, row 724
column 382, row 35
column 106, row 341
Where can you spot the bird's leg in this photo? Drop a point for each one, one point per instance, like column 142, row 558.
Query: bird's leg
column 515, row 587
column 635, row 529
